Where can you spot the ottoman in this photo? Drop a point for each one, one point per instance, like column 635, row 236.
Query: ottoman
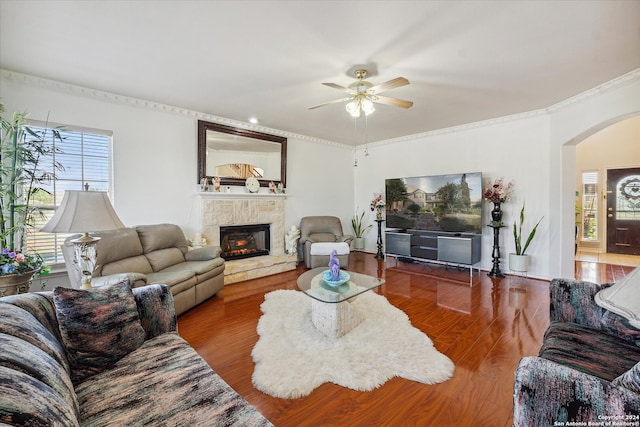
column 321, row 253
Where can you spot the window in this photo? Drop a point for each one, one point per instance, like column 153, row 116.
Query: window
column 590, row 206
column 628, row 201
column 85, row 156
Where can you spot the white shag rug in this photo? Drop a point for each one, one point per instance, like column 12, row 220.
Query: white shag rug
column 292, row 357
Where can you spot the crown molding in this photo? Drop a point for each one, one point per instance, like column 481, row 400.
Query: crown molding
column 611, row 84
column 156, row 106
column 152, row 105
column 461, row 128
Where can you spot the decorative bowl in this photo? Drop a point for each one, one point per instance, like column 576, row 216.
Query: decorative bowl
column 344, row 278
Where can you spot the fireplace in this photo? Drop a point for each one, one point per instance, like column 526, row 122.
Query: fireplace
column 216, row 210
column 244, row 241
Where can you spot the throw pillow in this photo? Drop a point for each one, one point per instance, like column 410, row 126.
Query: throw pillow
column 98, row 327
column 630, row 379
column 623, row 298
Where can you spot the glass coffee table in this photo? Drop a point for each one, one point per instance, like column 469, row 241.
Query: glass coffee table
column 331, row 310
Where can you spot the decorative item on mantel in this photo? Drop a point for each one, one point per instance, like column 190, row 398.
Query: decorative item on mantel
column 203, row 184
column 498, row 193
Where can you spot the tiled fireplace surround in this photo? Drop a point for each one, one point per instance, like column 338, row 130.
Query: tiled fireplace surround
column 224, row 209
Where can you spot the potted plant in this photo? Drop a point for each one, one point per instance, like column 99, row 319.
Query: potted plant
column 22, row 192
column 519, row 261
column 359, row 229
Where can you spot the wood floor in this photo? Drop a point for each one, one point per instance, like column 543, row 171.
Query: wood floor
column 485, row 329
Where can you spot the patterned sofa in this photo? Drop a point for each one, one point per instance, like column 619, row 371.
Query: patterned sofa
column 588, row 368
column 108, row 356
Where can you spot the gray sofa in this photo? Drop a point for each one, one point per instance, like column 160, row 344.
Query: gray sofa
column 154, row 254
column 108, row 356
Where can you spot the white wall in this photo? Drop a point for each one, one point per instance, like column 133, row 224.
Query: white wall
column 515, row 149
column 155, row 156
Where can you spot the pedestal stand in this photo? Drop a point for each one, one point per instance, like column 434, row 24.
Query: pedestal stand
column 496, row 224
column 495, row 270
column 379, row 254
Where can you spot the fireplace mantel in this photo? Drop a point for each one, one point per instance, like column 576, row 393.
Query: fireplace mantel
column 243, row 196
column 218, row 209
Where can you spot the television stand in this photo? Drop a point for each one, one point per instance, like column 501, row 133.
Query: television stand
column 441, row 247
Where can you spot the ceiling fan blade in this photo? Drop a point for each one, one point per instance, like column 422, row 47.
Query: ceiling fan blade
column 391, row 84
column 335, row 101
column 342, row 88
column 391, row 101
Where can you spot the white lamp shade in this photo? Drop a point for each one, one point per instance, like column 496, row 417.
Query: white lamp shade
column 83, row 211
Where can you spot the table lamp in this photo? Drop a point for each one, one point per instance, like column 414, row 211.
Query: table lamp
column 84, row 212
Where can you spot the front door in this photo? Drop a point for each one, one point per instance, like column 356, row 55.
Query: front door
column 623, row 211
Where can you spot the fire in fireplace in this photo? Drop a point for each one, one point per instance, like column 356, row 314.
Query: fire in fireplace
column 244, row 241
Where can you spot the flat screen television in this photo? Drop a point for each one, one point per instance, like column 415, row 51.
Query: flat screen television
column 451, row 203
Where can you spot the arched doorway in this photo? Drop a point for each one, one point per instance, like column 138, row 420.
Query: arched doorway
column 606, row 150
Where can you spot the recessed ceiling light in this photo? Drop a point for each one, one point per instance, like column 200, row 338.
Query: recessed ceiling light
column 253, row 120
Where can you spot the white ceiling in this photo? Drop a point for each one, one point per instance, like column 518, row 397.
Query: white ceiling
column 466, row 60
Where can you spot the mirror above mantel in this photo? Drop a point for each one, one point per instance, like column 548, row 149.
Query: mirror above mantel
column 234, row 154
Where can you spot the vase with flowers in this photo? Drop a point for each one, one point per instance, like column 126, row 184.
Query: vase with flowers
column 497, row 194
column 23, row 183
column 17, row 270
column 377, row 204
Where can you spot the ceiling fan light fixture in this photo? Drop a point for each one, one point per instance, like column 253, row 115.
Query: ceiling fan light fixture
column 359, row 105
column 363, row 94
column 367, row 106
column 353, row 108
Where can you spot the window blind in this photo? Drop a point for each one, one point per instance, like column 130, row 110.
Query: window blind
column 85, row 157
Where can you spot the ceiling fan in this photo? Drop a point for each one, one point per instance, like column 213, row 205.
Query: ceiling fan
column 363, row 94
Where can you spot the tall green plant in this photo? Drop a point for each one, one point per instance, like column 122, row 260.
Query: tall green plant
column 23, row 177
column 517, row 234
column 358, row 227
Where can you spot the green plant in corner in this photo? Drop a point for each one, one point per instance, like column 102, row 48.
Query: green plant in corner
column 23, row 183
column 517, row 233
column 358, row 227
